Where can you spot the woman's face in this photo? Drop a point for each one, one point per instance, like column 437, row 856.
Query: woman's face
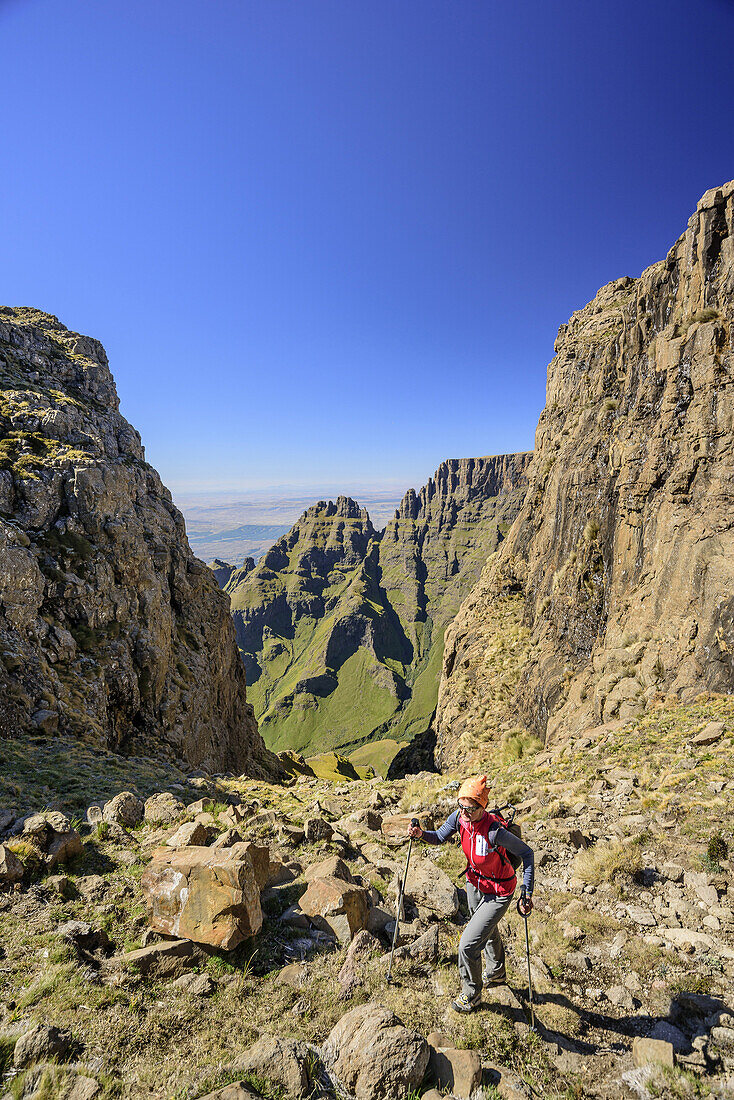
column 469, row 809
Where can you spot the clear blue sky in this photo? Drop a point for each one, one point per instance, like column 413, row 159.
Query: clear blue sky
column 326, row 239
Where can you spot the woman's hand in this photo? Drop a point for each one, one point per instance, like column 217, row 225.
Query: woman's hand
column 415, row 832
column 525, row 906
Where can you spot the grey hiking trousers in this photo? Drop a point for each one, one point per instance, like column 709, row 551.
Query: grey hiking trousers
column 481, row 934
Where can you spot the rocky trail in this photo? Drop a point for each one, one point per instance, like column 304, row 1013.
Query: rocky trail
column 225, row 937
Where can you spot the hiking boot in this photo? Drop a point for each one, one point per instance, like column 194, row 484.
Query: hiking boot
column 495, row 979
column 465, row 1004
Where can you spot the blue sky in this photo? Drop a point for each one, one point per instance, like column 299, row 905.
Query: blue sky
column 329, row 240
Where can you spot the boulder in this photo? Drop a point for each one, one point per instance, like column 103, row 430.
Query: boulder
column 646, row 1051
column 363, row 944
column 52, row 834
column 84, row 936
column 11, row 869
column 163, row 809
column 196, row 985
column 460, row 1071
column 40, row 1044
column 336, row 906
column 280, row 1062
column 430, row 887
column 259, row 854
column 227, row 839
column 317, row 828
column 424, row 949
column 669, row 1033
column 203, row 894
column 374, row 1056
column 236, row 1091
column 709, row 735
column 395, row 828
column 333, row 867
column 191, row 834
column 124, row 809
column 160, row 960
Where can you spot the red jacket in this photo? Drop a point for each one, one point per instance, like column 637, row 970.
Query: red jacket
column 488, row 868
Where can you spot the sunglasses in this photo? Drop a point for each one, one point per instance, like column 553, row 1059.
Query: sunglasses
column 467, row 811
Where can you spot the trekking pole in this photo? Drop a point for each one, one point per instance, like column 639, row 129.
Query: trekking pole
column 520, row 900
column 413, row 823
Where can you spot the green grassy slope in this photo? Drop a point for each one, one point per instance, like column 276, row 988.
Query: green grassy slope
column 341, row 629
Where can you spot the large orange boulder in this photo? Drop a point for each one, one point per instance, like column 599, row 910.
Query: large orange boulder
column 208, row 895
column 336, row 906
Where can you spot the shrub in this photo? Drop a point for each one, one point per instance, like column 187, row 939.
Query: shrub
column 717, row 849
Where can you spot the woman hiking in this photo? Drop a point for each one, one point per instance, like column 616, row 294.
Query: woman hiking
column 490, row 884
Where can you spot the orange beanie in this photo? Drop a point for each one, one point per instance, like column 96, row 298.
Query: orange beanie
column 476, row 788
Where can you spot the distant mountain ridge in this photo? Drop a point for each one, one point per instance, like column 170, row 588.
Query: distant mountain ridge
column 341, row 627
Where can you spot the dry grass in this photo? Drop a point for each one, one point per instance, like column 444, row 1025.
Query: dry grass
column 607, row 861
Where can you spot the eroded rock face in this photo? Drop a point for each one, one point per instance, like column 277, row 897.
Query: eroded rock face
column 110, row 628
column 208, row 895
column 615, row 584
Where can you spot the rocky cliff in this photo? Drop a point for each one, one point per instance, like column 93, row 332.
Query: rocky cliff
column 341, row 628
column 615, row 585
column 110, row 629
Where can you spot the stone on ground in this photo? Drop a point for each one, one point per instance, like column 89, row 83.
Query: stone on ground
column 333, row 867
column 190, row 834
column 203, row 894
column 124, row 809
column 431, row 888
column 259, row 855
column 395, row 828
column 457, row 1070
column 11, row 869
column 374, row 1056
column 349, row 976
column 336, row 906
column 424, row 949
column 281, row 1062
column 163, row 809
column 646, row 1051
column 236, row 1091
column 53, row 835
column 161, row 960
column 40, row 1044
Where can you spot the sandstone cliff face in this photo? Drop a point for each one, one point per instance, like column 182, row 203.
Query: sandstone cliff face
column 110, row 629
column 617, row 578
column 341, row 628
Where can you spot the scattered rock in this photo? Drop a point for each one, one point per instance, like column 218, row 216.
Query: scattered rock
column 333, row 867
column 317, row 828
column 40, row 1044
column 374, row 1056
column 203, row 894
column 60, row 885
column 236, row 1091
column 432, row 888
column 646, row 1051
column 190, row 834
column 424, row 949
column 160, row 960
column 227, row 839
column 363, row 944
column 336, row 906
column 280, row 1062
column 53, row 836
column 124, row 809
column 84, row 936
column 395, row 828
column 457, row 1070
column 668, row 1033
column 196, row 985
column 11, row 869
column 163, row 809
column 709, row 735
